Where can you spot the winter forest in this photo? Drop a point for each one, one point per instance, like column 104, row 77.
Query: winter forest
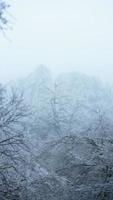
column 56, row 136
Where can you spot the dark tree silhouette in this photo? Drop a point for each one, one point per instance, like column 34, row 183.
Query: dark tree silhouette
column 3, row 15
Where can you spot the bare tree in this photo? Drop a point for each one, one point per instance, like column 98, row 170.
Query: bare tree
column 13, row 112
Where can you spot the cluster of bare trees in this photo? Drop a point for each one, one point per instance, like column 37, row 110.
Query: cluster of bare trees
column 13, row 112
column 64, row 162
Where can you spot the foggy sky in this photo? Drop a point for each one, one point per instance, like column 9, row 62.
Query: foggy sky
column 65, row 35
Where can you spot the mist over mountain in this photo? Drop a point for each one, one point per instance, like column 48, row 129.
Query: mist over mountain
column 70, row 103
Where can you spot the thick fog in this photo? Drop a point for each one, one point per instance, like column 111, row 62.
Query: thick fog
column 63, row 35
column 56, row 125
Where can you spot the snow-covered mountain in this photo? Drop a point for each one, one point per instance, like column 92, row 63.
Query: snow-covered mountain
column 70, row 131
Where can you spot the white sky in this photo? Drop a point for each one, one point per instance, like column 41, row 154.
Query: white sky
column 64, row 35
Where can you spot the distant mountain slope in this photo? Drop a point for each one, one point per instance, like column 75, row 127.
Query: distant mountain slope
column 71, row 103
